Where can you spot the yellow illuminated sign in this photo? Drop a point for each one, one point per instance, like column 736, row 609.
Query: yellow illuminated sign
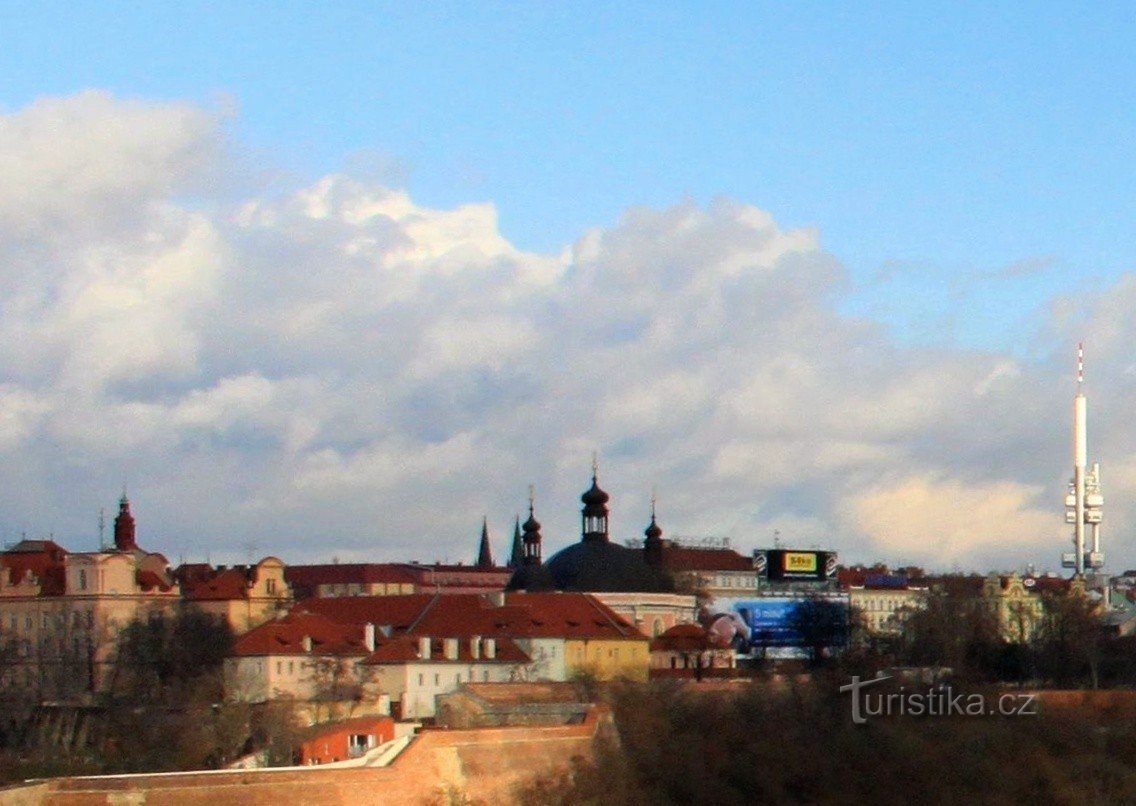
column 800, row 561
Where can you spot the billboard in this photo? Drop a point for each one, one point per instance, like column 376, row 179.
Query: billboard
column 790, row 564
column 753, row 625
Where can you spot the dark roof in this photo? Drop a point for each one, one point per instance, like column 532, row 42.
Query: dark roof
column 593, row 566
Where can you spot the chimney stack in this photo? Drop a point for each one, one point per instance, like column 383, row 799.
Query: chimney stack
column 369, row 636
column 424, row 647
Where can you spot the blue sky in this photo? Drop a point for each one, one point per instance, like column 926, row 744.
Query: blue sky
column 944, row 142
column 968, row 166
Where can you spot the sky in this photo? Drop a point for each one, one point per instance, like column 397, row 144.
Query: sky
column 338, row 280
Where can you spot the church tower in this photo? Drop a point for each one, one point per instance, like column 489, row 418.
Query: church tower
column 594, row 513
column 531, row 537
column 124, row 527
column 653, row 544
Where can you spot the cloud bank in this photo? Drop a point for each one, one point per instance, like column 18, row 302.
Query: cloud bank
column 338, row 370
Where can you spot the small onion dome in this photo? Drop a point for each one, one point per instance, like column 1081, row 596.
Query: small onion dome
column 653, row 531
column 594, row 495
column 531, row 526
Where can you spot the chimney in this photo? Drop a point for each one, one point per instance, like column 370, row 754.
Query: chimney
column 475, row 647
column 490, row 645
column 450, row 647
column 369, row 636
column 424, row 647
column 307, row 642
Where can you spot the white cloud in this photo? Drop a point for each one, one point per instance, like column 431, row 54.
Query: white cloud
column 340, row 370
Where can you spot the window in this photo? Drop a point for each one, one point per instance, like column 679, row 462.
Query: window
column 279, row 667
column 270, row 586
column 421, row 679
column 82, row 579
column 437, row 680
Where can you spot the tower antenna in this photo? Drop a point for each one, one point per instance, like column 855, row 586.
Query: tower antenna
column 1084, row 501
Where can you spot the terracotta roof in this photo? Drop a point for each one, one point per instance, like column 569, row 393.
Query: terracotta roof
column 150, row 580
column 285, row 636
column 232, row 583
column 1047, row 584
column 524, row 615
column 681, row 638
column 406, row 649
column 359, row 724
column 683, row 558
column 348, row 574
column 44, row 559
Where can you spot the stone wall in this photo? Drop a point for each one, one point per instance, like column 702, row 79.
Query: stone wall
column 485, row 766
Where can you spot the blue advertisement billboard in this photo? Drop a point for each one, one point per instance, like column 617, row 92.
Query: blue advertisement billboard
column 752, row 626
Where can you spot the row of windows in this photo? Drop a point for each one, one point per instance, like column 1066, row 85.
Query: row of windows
column 457, row 678
column 49, row 621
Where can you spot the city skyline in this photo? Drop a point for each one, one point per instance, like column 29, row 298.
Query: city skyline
column 345, row 283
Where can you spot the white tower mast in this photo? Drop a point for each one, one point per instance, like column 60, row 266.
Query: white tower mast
column 1084, row 501
column 1080, row 459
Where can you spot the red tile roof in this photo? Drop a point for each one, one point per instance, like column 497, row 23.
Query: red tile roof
column 285, row 636
column 150, row 580
column 43, row 559
column 405, row 649
column 682, row 638
column 684, row 558
column 232, row 583
column 525, row 615
column 348, row 574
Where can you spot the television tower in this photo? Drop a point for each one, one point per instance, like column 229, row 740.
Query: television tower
column 1084, row 500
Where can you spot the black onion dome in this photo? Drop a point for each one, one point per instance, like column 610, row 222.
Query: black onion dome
column 653, row 530
column 594, row 496
column 603, row 567
column 531, row 525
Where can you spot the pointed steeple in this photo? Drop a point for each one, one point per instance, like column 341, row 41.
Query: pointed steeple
column 124, row 526
column 484, row 555
column 517, row 556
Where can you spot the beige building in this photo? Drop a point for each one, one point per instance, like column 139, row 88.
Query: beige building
column 243, row 595
column 61, row 611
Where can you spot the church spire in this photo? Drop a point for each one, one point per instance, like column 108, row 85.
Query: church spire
column 517, row 556
column 484, row 554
